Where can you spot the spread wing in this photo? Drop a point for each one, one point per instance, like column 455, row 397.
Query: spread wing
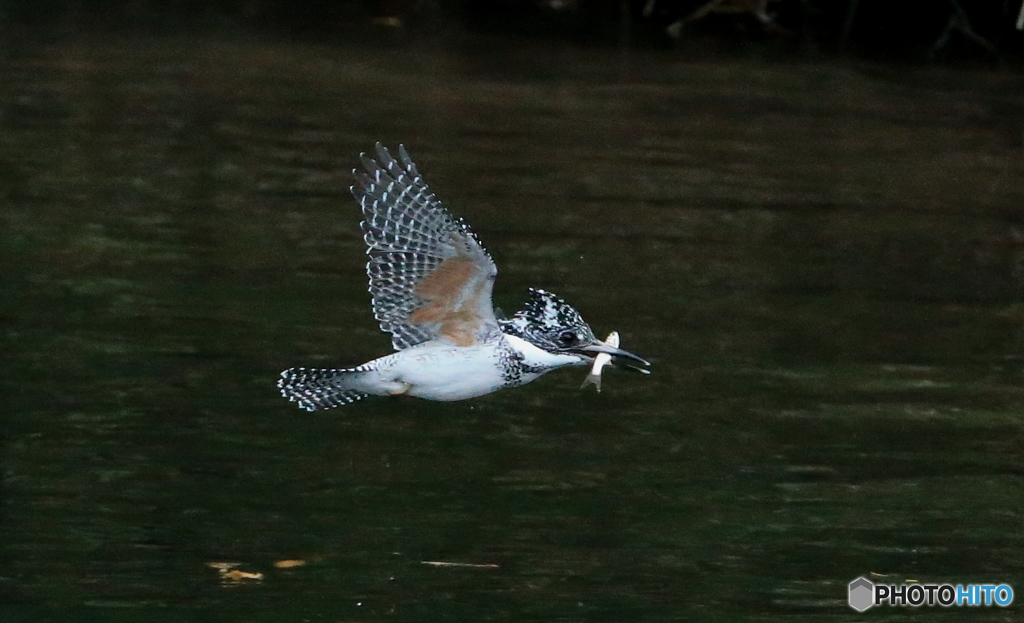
column 429, row 277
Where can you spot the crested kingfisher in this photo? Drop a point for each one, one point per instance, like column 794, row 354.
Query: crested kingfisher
column 431, row 284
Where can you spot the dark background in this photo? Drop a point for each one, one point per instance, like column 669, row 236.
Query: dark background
column 906, row 30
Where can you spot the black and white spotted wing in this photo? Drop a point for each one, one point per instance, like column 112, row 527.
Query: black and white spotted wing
column 429, row 276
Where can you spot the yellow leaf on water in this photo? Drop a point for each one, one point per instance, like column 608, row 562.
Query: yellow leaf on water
column 238, row 576
column 227, row 572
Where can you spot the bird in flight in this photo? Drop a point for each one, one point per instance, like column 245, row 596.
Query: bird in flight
column 431, row 283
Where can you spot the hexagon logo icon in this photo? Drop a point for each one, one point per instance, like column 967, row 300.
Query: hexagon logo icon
column 862, row 594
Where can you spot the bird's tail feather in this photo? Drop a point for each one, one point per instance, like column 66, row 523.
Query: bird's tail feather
column 319, row 388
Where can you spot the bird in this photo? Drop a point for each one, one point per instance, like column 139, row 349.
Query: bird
column 431, row 283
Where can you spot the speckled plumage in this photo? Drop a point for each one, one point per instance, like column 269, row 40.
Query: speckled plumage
column 409, row 234
column 431, row 283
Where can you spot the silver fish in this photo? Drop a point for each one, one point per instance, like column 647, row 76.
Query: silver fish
column 600, row 361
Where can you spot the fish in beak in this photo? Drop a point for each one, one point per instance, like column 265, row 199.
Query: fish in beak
column 619, row 356
column 607, row 352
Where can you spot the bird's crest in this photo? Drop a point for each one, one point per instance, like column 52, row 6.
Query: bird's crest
column 549, row 323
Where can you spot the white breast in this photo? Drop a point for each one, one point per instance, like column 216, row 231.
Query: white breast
column 441, row 372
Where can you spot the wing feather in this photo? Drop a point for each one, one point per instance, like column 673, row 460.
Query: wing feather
column 430, row 278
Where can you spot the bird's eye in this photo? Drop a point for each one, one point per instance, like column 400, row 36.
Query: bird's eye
column 567, row 338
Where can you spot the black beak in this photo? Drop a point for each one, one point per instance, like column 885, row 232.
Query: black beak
column 620, row 358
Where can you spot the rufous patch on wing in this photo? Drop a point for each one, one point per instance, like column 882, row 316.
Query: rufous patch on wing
column 441, row 292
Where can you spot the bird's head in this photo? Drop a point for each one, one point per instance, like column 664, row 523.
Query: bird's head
column 554, row 326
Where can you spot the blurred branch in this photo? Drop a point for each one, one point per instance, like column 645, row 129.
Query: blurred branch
column 958, row 21
column 851, row 14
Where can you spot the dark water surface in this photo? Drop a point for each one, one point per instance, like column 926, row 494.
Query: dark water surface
column 825, row 264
